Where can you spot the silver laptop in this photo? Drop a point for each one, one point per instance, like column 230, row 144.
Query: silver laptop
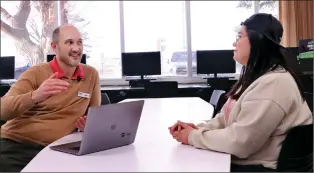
column 107, row 126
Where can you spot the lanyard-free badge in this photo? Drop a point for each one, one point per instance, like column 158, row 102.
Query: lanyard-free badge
column 84, row 95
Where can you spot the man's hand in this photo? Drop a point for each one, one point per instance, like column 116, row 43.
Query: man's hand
column 80, row 123
column 183, row 135
column 48, row 88
column 179, row 125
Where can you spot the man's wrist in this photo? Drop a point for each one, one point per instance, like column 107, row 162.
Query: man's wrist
column 33, row 98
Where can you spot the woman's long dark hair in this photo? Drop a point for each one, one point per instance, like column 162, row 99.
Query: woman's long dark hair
column 265, row 56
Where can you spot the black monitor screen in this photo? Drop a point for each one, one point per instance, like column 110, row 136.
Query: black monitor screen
column 7, row 67
column 306, row 55
column 50, row 57
column 291, row 55
column 215, row 61
column 141, row 63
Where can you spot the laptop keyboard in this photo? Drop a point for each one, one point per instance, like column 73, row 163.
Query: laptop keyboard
column 75, row 148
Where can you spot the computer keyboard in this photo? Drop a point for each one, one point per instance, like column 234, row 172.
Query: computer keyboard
column 7, row 81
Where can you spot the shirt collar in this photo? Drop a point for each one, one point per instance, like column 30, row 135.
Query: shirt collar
column 55, row 68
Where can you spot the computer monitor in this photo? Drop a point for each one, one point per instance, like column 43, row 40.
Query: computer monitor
column 215, row 61
column 50, row 57
column 141, row 63
column 7, row 67
column 306, row 55
column 291, row 55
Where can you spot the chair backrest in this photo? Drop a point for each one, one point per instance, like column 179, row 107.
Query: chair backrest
column 309, row 100
column 215, row 97
column 296, row 154
column 217, row 100
column 4, row 89
column 161, row 89
column 104, row 99
column 2, row 122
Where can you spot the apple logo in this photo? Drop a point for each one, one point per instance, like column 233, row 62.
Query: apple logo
column 113, row 127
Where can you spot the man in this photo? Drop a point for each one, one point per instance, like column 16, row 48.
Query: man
column 47, row 102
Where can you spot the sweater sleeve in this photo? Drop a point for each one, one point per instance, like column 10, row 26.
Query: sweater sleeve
column 18, row 99
column 245, row 136
column 217, row 122
column 262, row 110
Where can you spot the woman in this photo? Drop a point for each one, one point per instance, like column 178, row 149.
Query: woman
column 266, row 101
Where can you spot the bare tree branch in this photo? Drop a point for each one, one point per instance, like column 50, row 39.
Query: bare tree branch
column 33, row 44
column 245, row 4
column 37, row 5
column 267, row 4
column 17, row 30
column 262, row 4
column 84, row 25
column 34, row 27
column 64, row 12
column 7, row 29
column 33, row 35
column 6, row 15
column 23, row 12
column 76, row 18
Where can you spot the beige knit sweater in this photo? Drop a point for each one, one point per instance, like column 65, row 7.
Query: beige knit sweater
column 258, row 121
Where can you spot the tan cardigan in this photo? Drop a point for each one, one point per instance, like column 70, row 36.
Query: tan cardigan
column 52, row 118
column 258, row 121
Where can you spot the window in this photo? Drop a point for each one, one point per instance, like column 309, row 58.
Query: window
column 214, row 25
column 144, row 26
column 28, row 43
column 270, row 7
column 158, row 26
column 99, row 23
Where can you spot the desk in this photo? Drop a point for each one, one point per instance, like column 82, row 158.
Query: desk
column 180, row 86
column 119, row 93
column 4, row 89
column 154, row 149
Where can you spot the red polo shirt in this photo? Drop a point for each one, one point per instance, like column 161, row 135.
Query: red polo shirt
column 55, row 68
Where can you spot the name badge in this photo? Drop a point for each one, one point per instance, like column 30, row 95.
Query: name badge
column 84, row 95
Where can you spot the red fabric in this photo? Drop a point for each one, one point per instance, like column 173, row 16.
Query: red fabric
column 227, row 108
column 55, row 68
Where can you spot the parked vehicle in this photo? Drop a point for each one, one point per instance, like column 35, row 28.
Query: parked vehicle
column 178, row 63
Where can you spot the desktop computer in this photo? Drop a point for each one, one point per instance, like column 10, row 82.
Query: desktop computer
column 291, row 55
column 306, row 55
column 7, row 67
column 215, row 62
column 140, row 64
column 51, row 56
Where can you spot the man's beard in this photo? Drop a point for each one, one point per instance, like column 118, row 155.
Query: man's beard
column 70, row 62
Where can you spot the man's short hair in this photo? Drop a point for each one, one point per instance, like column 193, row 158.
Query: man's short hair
column 56, row 34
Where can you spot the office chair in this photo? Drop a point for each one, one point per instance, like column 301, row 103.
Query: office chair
column 104, row 99
column 2, row 122
column 51, row 56
column 217, row 99
column 161, row 89
column 296, row 154
column 309, row 100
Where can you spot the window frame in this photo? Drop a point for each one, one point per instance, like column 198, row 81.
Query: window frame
column 189, row 78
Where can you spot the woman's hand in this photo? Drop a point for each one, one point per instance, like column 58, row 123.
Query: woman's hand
column 181, row 130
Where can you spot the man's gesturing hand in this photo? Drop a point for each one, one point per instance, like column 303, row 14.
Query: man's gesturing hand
column 48, row 88
column 80, row 123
